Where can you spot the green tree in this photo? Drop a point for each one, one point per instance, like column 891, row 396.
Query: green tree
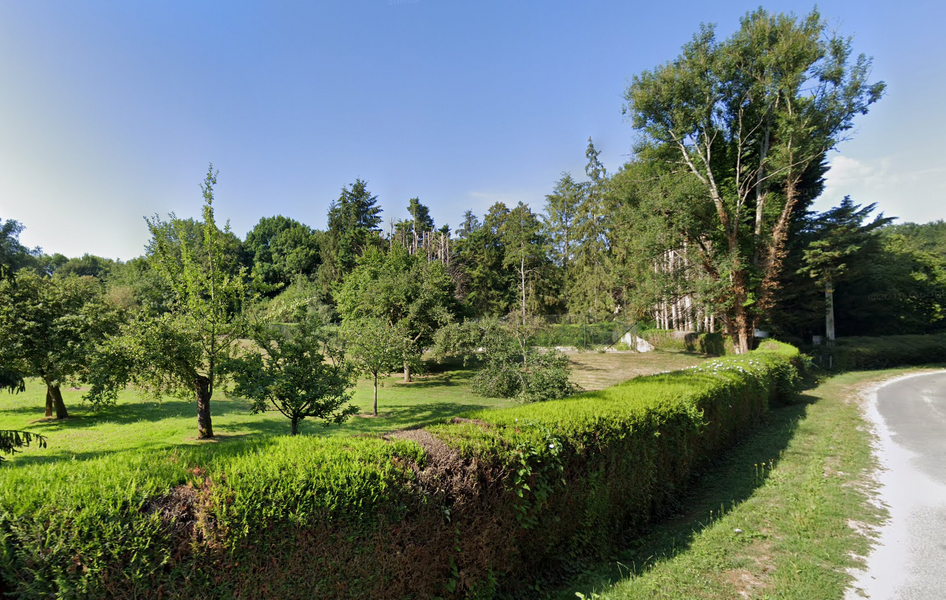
column 49, row 326
column 522, row 237
column 562, row 211
column 13, row 255
column 352, row 221
column 487, row 286
column 749, row 119
column 375, row 347
column 839, row 234
column 180, row 350
column 299, row 373
column 590, row 291
column 11, row 440
column 404, row 290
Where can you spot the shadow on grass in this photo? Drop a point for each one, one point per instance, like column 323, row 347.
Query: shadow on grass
column 712, row 493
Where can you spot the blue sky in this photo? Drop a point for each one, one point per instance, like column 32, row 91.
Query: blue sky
column 110, row 111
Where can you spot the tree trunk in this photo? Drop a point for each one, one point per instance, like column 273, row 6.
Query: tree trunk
column 376, row 394
column 829, row 312
column 295, row 425
column 60, row 406
column 205, row 429
column 407, row 372
column 49, row 403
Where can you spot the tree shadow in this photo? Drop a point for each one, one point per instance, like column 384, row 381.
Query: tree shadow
column 712, row 493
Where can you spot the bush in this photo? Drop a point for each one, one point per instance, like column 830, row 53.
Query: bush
column 488, row 503
column 865, row 353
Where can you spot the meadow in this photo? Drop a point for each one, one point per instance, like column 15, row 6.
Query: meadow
column 138, row 422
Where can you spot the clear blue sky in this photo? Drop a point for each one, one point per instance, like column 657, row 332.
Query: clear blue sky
column 110, row 111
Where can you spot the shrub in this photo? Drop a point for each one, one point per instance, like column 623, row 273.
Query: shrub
column 491, row 502
column 864, row 353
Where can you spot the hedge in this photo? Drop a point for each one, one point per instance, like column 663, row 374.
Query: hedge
column 491, row 503
column 866, row 353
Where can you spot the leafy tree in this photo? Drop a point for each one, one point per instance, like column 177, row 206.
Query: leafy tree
column 522, row 237
column 291, row 372
column 281, row 250
column 48, row 327
column 590, row 292
column 487, row 286
column 926, row 237
column 405, row 291
column 839, row 234
column 352, row 221
column 750, row 119
column 375, row 347
column 88, row 265
column 180, row 351
column 562, row 211
column 13, row 255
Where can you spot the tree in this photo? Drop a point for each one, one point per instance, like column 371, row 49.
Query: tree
column 290, row 372
column 405, row 291
column 375, row 347
column 839, row 234
column 13, row 255
column 590, row 292
column 562, row 211
column 750, row 120
column 48, row 327
column 11, row 440
column 181, row 349
column 352, row 220
column 487, row 285
column 525, row 249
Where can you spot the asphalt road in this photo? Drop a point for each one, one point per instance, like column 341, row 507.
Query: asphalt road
column 909, row 561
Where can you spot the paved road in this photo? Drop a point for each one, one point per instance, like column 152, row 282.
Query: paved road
column 909, row 562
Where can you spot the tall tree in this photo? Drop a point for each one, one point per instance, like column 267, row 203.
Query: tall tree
column 487, row 285
column 49, row 327
column 839, row 234
column 525, row 250
column 13, row 255
column 749, row 119
column 352, row 220
column 562, row 211
column 183, row 348
column 591, row 286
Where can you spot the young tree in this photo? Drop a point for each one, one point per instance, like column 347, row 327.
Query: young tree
column 290, row 371
column 749, row 119
column 49, row 326
column 183, row 348
column 375, row 347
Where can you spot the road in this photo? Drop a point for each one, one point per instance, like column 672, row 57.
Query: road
column 909, row 561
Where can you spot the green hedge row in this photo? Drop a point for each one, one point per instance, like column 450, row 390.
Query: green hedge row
column 712, row 344
column 488, row 504
column 866, row 353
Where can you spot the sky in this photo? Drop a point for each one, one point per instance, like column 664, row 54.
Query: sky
column 111, row 111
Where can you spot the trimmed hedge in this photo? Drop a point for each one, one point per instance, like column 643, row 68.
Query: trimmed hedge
column 711, row 344
column 866, row 353
column 490, row 503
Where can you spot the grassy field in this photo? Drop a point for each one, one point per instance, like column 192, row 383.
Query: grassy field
column 782, row 516
column 138, row 423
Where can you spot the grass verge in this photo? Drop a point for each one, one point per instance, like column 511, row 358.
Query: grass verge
column 783, row 515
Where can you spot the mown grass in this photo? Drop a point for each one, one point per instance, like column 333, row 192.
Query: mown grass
column 780, row 516
column 139, row 423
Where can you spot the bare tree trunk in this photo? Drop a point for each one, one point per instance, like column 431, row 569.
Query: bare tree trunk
column 829, row 312
column 54, row 400
column 205, row 428
column 376, row 394
column 49, row 402
column 295, row 425
column 407, row 372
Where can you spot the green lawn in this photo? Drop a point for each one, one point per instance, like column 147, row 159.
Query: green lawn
column 139, row 423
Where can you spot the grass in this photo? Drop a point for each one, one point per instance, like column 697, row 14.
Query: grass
column 138, row 423
column 598, row 370
column 782, row 516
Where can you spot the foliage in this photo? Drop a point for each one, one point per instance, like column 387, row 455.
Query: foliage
column 375, row 347
column 862, row 353
column 404, row 290
column 13, row 255
column 282, row 250
column 49, row 327
column 352, row 221
column 749, row 121
column 487, row 287
column 180, row 351
column 481, row 503
column 301, row 374
column 510, row 366
column 11, row 440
